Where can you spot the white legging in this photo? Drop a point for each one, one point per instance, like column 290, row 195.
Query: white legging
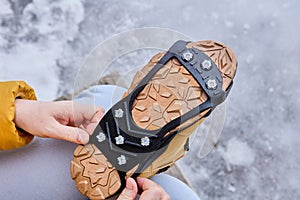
column 40, row 170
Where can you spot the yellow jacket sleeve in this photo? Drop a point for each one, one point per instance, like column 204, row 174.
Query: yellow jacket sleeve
column 10, row 135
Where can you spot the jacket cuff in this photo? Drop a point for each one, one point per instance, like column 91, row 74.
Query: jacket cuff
column 10, row 135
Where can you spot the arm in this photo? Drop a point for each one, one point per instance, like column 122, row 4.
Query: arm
column 10, row 135
column 22, row 117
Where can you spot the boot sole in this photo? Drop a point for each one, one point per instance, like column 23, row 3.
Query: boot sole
column 171, row 92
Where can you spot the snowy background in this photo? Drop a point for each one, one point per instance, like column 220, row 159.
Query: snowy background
column 44, row 42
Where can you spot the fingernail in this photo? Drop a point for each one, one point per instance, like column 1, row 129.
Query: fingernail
column 86, row 138
column 82, row 138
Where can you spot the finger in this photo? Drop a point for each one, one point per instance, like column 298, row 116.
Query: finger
column 71, row 134
column 90, row 125
column 97, row 116
column 130, row 191
column 83, row 112
column 146, row 184
column 151, row 190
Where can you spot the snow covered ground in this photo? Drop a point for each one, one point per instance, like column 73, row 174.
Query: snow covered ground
column 44, row 43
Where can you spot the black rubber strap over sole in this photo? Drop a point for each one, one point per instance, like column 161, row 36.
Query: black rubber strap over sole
column 119, row 138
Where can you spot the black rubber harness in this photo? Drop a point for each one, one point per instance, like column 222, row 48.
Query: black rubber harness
column 118, row 122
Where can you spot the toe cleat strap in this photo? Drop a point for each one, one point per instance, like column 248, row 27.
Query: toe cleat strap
column 125, row 144
column 202, row 68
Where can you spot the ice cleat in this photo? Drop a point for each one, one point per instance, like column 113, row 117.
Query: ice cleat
column 148, row 130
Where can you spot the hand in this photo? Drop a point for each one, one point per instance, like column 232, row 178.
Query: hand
column 149, row 190
column 57, row 119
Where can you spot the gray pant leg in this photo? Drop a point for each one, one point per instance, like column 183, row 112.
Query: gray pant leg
column 174, row 187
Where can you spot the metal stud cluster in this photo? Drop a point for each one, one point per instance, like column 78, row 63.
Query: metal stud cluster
column 206, row 65
column 119, row 140
column 101, row 137
column 187, row 55
column 211, row 84
column 145, row 141
column 122, row 160
column 119, row 113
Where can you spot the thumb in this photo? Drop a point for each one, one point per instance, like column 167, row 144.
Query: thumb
column 130, row 192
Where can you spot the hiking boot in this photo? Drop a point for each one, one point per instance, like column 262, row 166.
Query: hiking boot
column 147, row 131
